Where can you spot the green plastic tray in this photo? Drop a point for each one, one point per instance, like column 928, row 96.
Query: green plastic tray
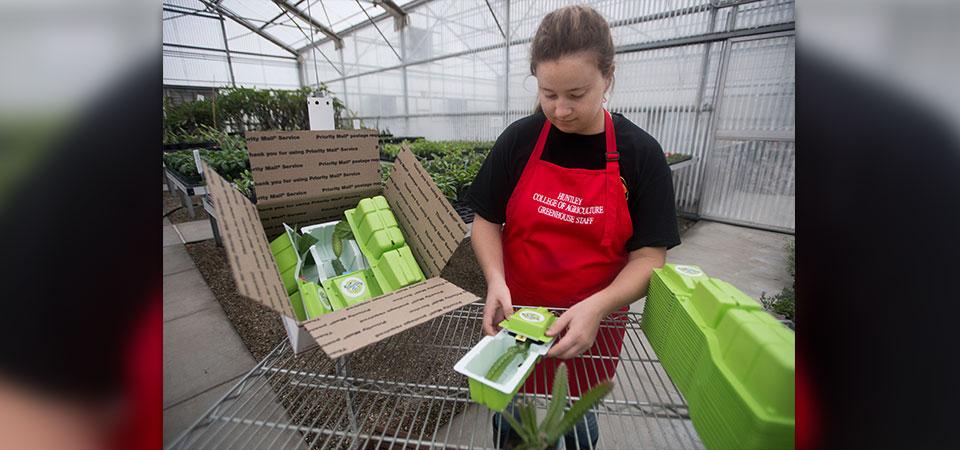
column 313, row 305
column 286, row 257
column 732, row 361
column 532, row 323
column 352, row 288
column 497, row 394
column 381, row 241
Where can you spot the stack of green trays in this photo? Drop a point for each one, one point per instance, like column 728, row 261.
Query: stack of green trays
column 285, row 254
column 669, row 288
column 380, row 240
column 733, row 362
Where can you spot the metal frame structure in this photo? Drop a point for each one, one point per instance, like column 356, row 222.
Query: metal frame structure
column 402, row 393
column 671, row 66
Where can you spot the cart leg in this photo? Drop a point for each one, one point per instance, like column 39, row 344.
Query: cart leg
column 189, row 204
column 343, row 371
column 166, row 179
column 216, row 233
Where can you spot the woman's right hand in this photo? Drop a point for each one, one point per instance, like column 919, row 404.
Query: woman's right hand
column 497, row 308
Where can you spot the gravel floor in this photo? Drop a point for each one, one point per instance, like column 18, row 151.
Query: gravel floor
column 258, row 326
column 177, row 213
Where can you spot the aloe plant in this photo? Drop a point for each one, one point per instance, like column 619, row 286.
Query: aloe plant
column 556, row 423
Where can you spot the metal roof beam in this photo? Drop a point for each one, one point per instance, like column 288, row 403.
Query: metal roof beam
column 274, row 19
column 352, row 28
column 400, row 19
column 236, row 18
column 338, row 42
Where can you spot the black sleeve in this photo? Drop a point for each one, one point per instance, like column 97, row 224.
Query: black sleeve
column 493, row 185
column 653, row 208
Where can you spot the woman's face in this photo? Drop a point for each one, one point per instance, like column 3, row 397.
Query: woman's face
column 571, row 93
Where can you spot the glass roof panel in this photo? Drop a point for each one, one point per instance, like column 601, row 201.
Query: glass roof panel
column 337, row 15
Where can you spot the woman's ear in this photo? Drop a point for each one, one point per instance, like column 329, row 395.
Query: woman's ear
column 609, row 79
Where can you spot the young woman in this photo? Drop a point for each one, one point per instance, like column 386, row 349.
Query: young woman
column 575, row 208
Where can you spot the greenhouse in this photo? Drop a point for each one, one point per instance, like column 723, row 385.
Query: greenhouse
column 327, row 276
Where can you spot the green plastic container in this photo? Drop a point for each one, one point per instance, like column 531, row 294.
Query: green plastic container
column 382, row 243
column 526, row 323
column 496, row 395
column 285, row 254
column 669, row 287
column 531, row 323
column 297, row 304
column 352, row 288
column 732, row 361
column 314, row 306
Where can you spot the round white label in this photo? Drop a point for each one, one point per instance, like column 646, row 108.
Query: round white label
column 531, row 316
column 688, row 270
column 353, row 287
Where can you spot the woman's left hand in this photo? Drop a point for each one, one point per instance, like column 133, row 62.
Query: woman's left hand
column 581, row 322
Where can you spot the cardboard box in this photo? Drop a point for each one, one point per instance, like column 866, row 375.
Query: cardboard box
column 309, row 177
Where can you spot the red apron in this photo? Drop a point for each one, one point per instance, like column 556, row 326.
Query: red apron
column 564, row 239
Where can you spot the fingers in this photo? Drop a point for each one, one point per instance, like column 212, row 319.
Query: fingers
column 566, row 348
column 559, row 325
column 506, row 304
column 489, row 314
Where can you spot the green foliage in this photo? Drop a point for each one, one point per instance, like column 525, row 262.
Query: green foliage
column 341, row 232
column 245, row 109
column 554, row 426
column 785, row 302
column 245, row 183
column 673, row 158
column 385, row 170
column 454, row 172
column 304, row 242
column 452, row 164
column 187, row 116
column 231, row 161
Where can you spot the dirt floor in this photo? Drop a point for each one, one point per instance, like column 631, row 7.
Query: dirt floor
column 177, row 213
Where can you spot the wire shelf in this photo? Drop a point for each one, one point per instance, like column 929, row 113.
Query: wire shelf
column 402, row 393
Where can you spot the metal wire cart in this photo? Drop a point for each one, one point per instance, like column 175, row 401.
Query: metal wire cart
column 402, row 393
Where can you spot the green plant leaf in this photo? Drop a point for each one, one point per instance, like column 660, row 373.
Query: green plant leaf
column 337, row 245
column 529, row 416
column 579, row 408
column 341, row 232
column 304, row 243
column 559, row 400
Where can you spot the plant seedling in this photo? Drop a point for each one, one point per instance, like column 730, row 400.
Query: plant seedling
column 556, row 423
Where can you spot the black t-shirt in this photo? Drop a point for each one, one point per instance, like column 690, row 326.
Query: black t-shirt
column 643, row 166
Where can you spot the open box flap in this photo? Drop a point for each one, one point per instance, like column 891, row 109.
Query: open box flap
column 290, row 166
column 310, row 211
column 348, row 330
column 245, row 243
column 431, row 226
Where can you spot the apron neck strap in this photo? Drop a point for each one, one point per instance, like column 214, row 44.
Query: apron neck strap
column 612, row 180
